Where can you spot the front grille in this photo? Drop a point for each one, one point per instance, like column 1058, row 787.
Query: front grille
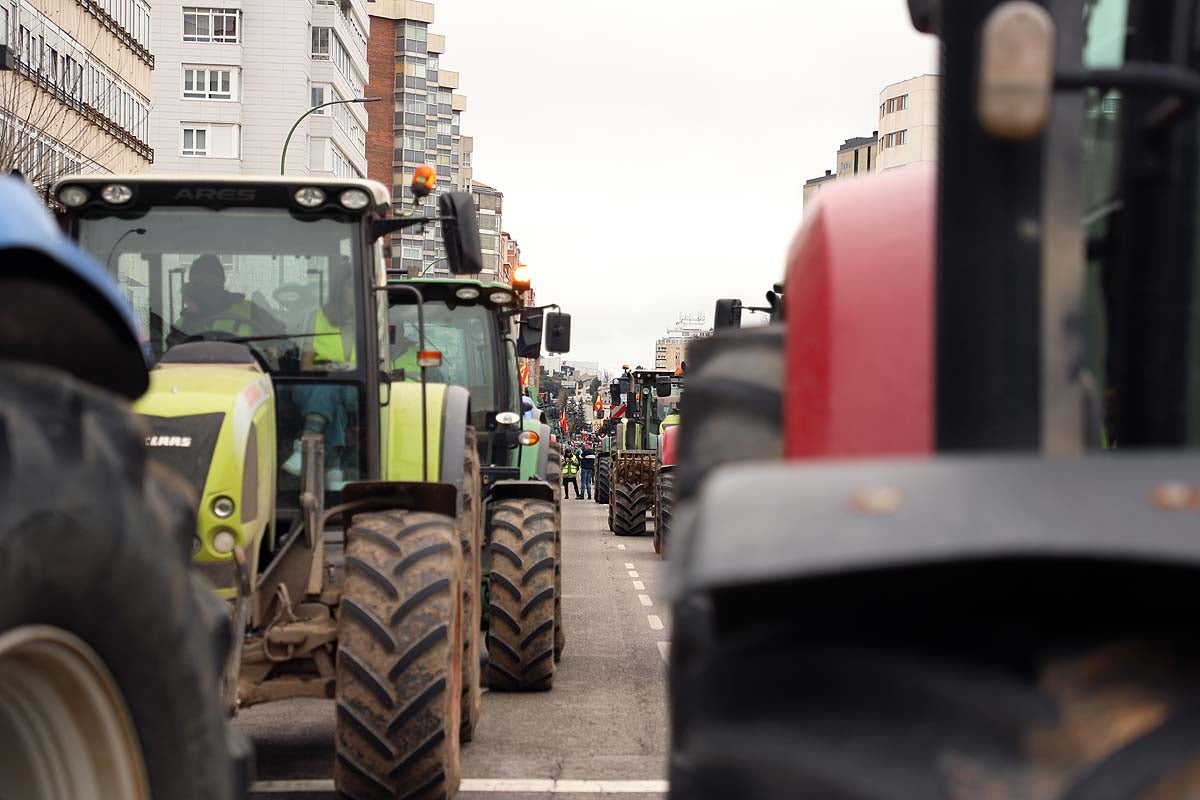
column 185, row 444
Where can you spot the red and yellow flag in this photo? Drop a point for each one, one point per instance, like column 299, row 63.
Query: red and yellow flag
column 525, row 374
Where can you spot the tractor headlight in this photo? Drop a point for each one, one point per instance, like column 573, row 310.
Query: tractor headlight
column 223, row 542
column 508, row 418
column 355, row 199
column 116, row 194
column 467, row 293
column 500, row 298
column 309, row 197
column 222, row 507
column 73, row 196
column 527, row 438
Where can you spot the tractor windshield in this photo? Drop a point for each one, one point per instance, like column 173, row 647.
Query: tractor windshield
column 465, row 335
column 283, row 284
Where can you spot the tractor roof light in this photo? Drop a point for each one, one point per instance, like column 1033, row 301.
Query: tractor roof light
column 355, row 199
column 527, row 438
column 309, row 197
column 429, row 358
column 521, row 279
column 500, row 298
column 424, row 180
column 466, row 293
column 73, row 196
column 117, row 194
column 508, row 418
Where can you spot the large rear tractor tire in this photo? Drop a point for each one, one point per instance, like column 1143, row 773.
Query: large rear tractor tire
column 554, row 470
column 110, row 648
column 470, row 533
column 630, row 503
column 664, row 509
column 601, row 490
column 399, row 662
column 521, row 628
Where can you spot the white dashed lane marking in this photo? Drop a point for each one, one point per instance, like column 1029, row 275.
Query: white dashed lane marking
column 656, row 623
column 620, row 547
column 641, row 587
column 629, row 566
column 633, row 573
column 664, row 650
column 645, row 598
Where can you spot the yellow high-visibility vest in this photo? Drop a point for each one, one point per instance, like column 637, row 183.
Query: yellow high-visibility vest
column 328, row 347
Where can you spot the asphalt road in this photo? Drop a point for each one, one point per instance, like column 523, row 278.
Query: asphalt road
column 601, row 731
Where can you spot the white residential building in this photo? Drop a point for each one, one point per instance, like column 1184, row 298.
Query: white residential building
column 78, row 94
column 233, row 77
column 908, row 122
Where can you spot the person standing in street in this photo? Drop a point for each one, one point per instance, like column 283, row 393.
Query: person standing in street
column 587, row 468
column 570, row 469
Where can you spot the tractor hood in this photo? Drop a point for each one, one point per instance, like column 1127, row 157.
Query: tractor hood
column 187, row 407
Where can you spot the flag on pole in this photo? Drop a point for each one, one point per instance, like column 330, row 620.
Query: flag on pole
column 598, row 406
column 562, row 420
column 525, row 374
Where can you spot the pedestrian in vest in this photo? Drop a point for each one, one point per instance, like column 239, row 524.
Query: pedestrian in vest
column 208, row 306
column 327, row 408
column 570, row 469
column 587, row 468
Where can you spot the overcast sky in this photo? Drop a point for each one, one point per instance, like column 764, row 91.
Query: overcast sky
column 652, row 153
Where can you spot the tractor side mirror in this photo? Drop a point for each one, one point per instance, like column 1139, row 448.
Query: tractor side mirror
column 728, row 314
column 529, row 333
column 558, row 332
column 662, row 387
column 460, row 231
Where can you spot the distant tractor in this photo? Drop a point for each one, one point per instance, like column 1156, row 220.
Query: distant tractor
column 338, row 482
column 633, row 463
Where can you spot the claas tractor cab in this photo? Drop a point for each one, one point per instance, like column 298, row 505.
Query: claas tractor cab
column 336, row 497
column 473, row 325
column 972, row 569
column 633, row 460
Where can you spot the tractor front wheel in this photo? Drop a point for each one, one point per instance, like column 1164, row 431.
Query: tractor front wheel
column 521, row 624
column 399, row 660
column 629, row 504
column 600, row 491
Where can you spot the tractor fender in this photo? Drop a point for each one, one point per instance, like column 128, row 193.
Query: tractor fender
column 436, row 498
column 61, row 309
column 456, row 412
column 525, row 490
column 667, row 445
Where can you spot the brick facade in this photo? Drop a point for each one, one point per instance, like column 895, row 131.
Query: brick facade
column 381, row 58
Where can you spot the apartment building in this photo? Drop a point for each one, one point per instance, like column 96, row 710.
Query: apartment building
column 77, row 96
column 908, row 122
column 418, row 122
column 489, row 204
column 671, row 350
column 231, row 81
column 857, row 156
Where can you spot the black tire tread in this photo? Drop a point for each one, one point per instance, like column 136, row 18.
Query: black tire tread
column 630, row 503
column 388, row 745
column 522, row 626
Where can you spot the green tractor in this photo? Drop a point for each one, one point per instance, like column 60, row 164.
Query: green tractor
column 338, row 484
column 472, row 325
column 634, row 455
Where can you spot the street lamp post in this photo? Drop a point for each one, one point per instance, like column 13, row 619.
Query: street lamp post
column 296, row 124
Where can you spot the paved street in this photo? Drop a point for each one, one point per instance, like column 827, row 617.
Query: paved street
column 605, row 719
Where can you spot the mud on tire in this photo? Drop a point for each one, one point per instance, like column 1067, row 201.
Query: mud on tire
column 399, row 657
column 521, row 630
column 95, row 541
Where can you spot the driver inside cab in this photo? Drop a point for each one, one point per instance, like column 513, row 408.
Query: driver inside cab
column 208, row 306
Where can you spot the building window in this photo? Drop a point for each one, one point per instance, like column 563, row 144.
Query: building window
column 321, row 38
column 209, row 83
column 318, row 95
column 891, row 105
column 902, row 103
column 902, row 137
column 418, row 33
column 211, row 25
column 195, row 141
